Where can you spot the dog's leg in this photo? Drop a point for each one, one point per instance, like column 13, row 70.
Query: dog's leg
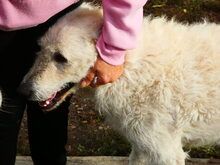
column 169, row 156
column 155, row 146
column 137, row 158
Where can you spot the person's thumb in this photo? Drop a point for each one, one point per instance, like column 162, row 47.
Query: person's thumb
column 88, row 79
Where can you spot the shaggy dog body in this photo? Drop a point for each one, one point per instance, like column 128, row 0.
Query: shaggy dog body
column 168, row 96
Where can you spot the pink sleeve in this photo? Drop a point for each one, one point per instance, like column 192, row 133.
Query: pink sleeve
column 20, row 14
column 122, row 23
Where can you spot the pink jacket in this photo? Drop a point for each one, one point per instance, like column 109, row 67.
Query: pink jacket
column 122, row 22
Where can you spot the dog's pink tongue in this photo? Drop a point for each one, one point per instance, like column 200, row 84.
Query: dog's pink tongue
column 48, row 101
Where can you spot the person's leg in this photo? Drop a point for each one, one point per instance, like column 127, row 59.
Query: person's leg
column 16, row 56
column 13, row 104
column 10, row 118
column 48, row 135
column 48, row 131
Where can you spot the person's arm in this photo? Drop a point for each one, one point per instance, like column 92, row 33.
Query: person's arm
column 122, row 23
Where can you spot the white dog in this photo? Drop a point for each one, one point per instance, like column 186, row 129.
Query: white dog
column 168, row 95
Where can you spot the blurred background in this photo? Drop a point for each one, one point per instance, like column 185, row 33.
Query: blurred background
column 88, row 134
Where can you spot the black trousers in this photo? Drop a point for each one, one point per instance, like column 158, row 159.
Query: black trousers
column 47, row 131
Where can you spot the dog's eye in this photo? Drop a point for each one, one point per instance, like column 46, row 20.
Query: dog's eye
column 58, row 57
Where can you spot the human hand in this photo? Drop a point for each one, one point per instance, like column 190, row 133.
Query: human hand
column 102, row 73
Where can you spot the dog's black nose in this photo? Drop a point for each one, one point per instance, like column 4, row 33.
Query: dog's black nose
column 25, row 89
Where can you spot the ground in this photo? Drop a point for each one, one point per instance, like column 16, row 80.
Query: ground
column 88, row 134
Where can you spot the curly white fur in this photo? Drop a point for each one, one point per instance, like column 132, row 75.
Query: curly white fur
column 169, row 94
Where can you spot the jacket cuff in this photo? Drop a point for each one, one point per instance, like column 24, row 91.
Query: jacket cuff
column 110, row 54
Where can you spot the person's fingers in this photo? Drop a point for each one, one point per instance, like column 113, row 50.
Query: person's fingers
column 101, row 79
column 102, row 73
column 88, row 79
column 98, row 82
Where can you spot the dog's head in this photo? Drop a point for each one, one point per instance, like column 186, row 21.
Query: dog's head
column 67, row 53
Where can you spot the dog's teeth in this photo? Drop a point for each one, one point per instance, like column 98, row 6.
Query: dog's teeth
column 45, row 105
column 47, row 102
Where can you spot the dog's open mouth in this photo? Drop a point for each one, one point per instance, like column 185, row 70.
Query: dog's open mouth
column 56, row 98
